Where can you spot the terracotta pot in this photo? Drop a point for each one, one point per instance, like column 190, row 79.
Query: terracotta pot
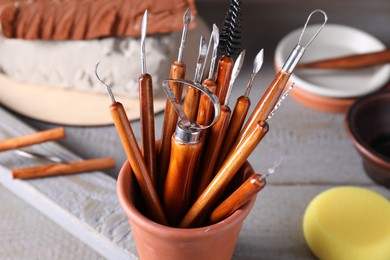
column 155, row 241
column 368, row 125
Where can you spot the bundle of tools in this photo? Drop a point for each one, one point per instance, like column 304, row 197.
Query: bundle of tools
column 203, row 143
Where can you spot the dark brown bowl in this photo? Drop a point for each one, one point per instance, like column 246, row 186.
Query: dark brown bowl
column 368, row 125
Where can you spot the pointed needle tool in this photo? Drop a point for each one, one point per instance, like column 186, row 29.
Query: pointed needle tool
column 275, row 89
column 217, row 133
column 242, row 195
column 191, row 100
column 145, row 85
column 240, row 111
column 178, row 71
column 134, row 156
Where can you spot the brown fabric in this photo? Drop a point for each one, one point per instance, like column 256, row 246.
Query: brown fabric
column 89, row 19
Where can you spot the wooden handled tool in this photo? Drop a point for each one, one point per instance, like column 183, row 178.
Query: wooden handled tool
column 136, row 160
column 31, row 139
column 145, row 86
column 275, row 89
column 240, row 111
column 238, row 198
column 242, row 195
column 184, row 157
column 349, row 61
column 191, row 100
column 63, row 168
column 178, row 71
column 225, row 68
column 217, row 133
column 214, row 143
column 205, row 111
column 236, row 158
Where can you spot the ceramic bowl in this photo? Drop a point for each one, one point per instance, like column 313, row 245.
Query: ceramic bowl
column 333, row 90
column 368, row 125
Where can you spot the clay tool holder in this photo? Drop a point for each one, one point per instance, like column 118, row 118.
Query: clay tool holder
column 275, row 89
column 185, row 152
column 178, row 70
column 31, row 139
column 135, row 158
column 147, row 109
column 241, row 195
column 349, row 61
column 217, row 133
column 240, row 111
column 228, row 48
column 191, row 100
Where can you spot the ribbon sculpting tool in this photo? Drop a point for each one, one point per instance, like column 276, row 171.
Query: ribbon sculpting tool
column 217, row 134
column 178, row 71
column 135, row 158
column 275, row 89
column 146, row 109
column 191, row 100
column 240, row 111
column 185, row 153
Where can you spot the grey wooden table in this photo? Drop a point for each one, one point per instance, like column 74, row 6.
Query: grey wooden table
column 317, row 152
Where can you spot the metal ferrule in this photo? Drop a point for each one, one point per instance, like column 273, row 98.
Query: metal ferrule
column 292, row 60
column 188, row 134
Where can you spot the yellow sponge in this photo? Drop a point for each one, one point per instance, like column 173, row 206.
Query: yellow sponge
column 347, row 223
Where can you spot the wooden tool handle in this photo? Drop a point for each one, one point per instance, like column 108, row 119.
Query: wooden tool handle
column 63, row 168
column 215, row 139
column 236, row 158
column 177, row 189
column 191, row 103
column 178, row 70
column 266, row 104
column 147, row 124
column 205, row 109
column 350, row 61
column 31, row 139
column 238, row 198
column 237, row 120
column 136, row 160
column 225, row 68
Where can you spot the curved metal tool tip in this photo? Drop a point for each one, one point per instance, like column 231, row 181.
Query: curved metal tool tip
column 319, row 29
column 109, row 91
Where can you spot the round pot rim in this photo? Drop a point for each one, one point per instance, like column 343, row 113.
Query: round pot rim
column 123, row 192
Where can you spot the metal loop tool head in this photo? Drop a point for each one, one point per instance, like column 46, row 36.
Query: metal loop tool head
column 109, row 90
column 299, row 49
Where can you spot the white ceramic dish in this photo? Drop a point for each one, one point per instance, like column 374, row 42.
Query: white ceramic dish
column 333, row 41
